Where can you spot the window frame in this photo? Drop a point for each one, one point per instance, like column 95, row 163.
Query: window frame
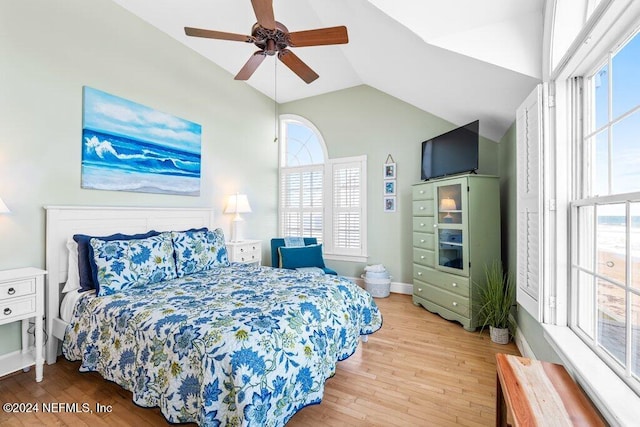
column 611, row 21
column 584, row 197
column 285, row 118
column 283, row 209
column 330, row 251
column 338, row 253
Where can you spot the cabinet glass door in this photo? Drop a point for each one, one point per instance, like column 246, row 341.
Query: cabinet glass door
column 451, row 203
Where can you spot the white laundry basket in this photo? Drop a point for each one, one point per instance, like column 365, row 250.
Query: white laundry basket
column 377, row 281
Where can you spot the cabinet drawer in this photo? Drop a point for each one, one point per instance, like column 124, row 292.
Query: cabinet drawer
column 449, row 282
column 424, row 257
column 17, row 288
column 423, row 192
column 423, row 208
column 423, row 224
column 456, row 303
column 423, row 240
column 11, row 309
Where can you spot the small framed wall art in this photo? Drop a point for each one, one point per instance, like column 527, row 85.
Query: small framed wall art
column 390, row 203
column 389, row 171
column 389, row 187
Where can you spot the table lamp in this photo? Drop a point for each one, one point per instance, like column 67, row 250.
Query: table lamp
column 447, row 205
column 237, row 204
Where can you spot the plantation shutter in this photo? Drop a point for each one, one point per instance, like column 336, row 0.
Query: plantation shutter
column 348, row 184
column 301, row 201
column 529, row 201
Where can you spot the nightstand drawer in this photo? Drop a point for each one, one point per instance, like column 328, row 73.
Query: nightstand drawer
column 249, row 251
column 18, row 307
column 22, row 300
column 249, row 256
column 253, row 248
column 17, row 288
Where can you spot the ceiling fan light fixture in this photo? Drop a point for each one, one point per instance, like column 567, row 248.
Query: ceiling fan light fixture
column 272, row 37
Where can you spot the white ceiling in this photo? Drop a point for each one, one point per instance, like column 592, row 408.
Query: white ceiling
column 461, row 60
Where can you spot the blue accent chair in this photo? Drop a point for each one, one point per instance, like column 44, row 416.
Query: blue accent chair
column 278, row 242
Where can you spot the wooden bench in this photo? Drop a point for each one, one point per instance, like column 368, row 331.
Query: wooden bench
column 534, row 393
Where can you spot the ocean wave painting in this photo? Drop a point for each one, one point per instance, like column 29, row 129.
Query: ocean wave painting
column 130, row 147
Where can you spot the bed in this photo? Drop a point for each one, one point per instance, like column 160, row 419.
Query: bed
column 236, row 344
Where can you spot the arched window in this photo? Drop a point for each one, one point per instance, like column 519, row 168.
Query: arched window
column 302, row 158
column 570, row 17
column 321, row 197
column 302, row 143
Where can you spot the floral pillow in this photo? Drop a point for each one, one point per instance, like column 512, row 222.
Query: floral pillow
column 126, row 263
column 199, row 250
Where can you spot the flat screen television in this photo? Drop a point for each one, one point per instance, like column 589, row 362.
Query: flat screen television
column 450, row 153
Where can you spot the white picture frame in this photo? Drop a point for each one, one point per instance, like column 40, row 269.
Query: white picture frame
column 389, row 187
column 389, row 203
column 389, row 171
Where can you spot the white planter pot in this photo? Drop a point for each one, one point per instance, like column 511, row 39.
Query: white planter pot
column 499, row 335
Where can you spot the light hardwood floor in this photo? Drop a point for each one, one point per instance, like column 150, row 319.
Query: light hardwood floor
column 418, row 370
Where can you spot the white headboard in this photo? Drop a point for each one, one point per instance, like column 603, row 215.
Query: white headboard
column 65, row 221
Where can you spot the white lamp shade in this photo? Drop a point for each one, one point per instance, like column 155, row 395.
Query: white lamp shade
column 447, row 204
column 238, row 203
column 3, row 207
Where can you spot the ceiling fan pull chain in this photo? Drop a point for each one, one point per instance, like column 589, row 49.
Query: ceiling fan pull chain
column 275, row 101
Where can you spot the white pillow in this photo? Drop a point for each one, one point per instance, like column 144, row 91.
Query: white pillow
column 73, row 274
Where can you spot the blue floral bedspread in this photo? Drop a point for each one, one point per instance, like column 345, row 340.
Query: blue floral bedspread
column 239, row 345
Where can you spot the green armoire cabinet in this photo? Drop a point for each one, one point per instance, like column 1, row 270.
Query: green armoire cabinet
column 456, row 232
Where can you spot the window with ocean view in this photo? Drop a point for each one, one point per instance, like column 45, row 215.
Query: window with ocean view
column 605, row 285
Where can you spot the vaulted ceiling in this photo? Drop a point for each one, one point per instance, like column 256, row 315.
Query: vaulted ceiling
column 461, row 60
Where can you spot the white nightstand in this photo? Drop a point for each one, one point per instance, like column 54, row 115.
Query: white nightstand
column 246, row 251
column 22, row 298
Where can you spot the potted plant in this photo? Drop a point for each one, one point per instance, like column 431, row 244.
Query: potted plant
column 496, row 299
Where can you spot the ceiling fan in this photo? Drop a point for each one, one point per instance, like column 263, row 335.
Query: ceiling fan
column 272, row 38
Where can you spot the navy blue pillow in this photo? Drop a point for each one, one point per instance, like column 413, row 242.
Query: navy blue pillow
column 87, row 266
column 301, row 256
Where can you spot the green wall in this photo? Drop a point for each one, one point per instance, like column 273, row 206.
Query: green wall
column 49, row 50
column 530, row 329
column 507, row 155
column 363, row 120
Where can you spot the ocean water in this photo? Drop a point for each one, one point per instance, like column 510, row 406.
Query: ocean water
column 612, row 238
column 113, row 162
column 618, row 220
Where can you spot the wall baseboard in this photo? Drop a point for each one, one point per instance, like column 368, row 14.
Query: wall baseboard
column 401, row 288
column 396, row 287
column 521, row 342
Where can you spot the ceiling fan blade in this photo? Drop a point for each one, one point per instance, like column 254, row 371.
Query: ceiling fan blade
column 296, row 65
column 319, row 37
column 250, row 67
column 210, row 34
column 264, row 13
